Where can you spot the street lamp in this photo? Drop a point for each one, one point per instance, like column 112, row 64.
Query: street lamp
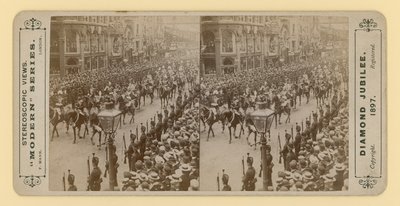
column 109, row 120
column 262, row 119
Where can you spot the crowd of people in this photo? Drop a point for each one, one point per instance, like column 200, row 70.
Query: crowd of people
column 167, row 157
column 315, row 158
column 120, row 77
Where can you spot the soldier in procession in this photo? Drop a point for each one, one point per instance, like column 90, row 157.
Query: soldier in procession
column 269, row 165
column 132, row 153
column 225, row 183
column 71, row 182
column 249, row 179
column 94, row 179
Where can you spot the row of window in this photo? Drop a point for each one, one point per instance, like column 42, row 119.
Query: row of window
column 250, row 43
column 244, row 19
column 228, row 66
column 93, row 19
column 74, row 42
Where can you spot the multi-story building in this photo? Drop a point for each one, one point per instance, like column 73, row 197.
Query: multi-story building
column 235, row 43
column 231, row 43
column 78, row 44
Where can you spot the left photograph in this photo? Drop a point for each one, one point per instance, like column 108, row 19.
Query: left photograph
column 123, row 103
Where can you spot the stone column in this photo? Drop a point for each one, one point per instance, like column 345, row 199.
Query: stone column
column 61, row 43
column 217, row 42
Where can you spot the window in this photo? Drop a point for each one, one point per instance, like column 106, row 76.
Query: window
column 85, row 43
column 227, row 41
column 258, row 43
column 243, row 63
column 54, row 38
column 208, row 43
column 102, row 43
column 116, row 46
column 94, row 63
column 71, row 39
column 94, row 43
column 250, row 43
column 55, row 65
column 209, row 66
column 257, row 62
column 250, row 63
column 243, row 43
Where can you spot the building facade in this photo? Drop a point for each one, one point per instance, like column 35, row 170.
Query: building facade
column 78, row 44
column 231, row 44
column 82, row 43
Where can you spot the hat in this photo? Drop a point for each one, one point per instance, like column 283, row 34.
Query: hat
column 143, row 177
column 308, row 175
column 288, row 175
column 134, row 175
column 176, row 178
column 297, row 176
column 340, row 167
column 185, row 168
column 329, row 177
column 154, row 176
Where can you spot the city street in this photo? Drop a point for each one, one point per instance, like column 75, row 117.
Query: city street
column 66, row 156
column 218, row 154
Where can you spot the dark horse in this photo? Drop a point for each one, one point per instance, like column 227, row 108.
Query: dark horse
column 164, row 93
column 232, row 120
column 77, row 119
column 128, row 108
column 56, row 118
column 206, row 116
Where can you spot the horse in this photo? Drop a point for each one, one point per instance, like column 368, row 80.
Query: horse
column 319, row 95
column 128, row 108
column 207, row 116
column 164, row 92
column 150, row 92
column 95, row 123
column 232, row 119
column 57, row 116
column 281, row 108
column 77, row 119
column 250, row 128
column 142, row 94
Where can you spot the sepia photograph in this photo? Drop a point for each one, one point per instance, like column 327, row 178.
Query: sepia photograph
column 274, row 103
column 200, row 103
column 123, row 103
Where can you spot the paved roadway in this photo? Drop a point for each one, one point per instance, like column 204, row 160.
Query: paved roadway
column 218, row 154
column 64, row 155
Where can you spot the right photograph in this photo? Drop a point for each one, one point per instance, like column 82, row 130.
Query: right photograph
column 274, row 108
